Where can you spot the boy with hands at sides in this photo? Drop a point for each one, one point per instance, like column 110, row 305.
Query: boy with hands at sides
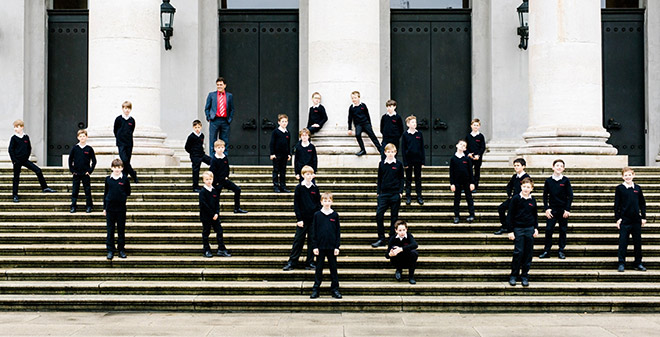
column 630, row 212
column 209, row 214
column 512, row 189
column 325, row 243
column 522, row 223
column 82, row 162
column 461, row 179
column 389, row 188
column 414, row 158
column 280, row 153
column 557, row 199
column 117, row 190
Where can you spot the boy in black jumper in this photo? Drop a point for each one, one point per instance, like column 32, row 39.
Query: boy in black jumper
column 630, row 214
column 402, row 252
column 306, row 202
column 557, row 199
column 280, row 153
column 512, row 188
column 19, row 152
column 476, row 146
column 358, row 114
column 414, row 158
column 220, row 169
column 304, row 153
column 389, row 189
column 195, row 147
column 209, row 213
column 391, row 126
column 522, row 225
column 79, row 164
column 123, row 130
column 317, row 115
column 117, row 189
column 326, row 237
column 461, row 179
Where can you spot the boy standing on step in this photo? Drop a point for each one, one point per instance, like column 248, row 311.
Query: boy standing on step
column 414, row 158
column 402, row 252
column 389, row 189
column 20, row 149
column 117, row 190
column 391, row 126
column 512, row 189
column 123, row 130
column 195, row 147
column 304, row 153
column 461, row 179
column 82, row 162
column 220, row 169
column 325, row 242
column 280, row 153
column 557, row 199
column 358, row 114
column 317, row 115
column 306, row 202
column 522, row 225
column 476, row 146
column 630, row 214
column 209, row 213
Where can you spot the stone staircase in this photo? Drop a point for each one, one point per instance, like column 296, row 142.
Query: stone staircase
column 53, row 260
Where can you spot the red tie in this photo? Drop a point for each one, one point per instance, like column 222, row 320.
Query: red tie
column 222, row 106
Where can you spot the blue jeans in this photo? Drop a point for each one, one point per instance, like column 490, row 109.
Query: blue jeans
column 218, row 127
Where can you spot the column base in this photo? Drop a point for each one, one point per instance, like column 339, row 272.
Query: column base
column 576, row 161
column 501, row 153
column 336, row 148
column 149, row 148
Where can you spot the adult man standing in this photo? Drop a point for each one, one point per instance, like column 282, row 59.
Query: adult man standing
column 219, row 111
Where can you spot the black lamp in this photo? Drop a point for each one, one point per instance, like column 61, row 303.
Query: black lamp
column 523, row 30
column 167, row 22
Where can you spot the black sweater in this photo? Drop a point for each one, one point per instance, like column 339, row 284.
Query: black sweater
column 628, row 204
column 209, row 204
column 460, row 171
column 317, row 116
column 115, row 193
column 476, row 145
column 304, row 156
column 80, row 158
column 408, row 244
column 19, row 149
column 220, row 169
column 358, row 115
column 390, row 177
column 522, row 213
column 306, row 201
column 391, row 127
column 513, row 187
column 195, row 145
column 124, row 130
column 557, row 195
column 280, row 144
column 412, row 148
column 326, row 233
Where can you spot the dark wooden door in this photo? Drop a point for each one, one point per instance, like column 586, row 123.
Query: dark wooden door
column 623, row 82
column 259, row 60
column 67, row 81
column 431, row 75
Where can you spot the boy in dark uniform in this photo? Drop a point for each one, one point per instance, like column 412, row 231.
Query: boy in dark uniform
column 304, row 154
column 522, row 225
column 391, row 126
column 325, row 243
column 476, row 146
column 557, row 199
column 358, row 114
column 280, row 153
column 82, row 162
column 317, row 115
column 123, row 130
column 414, row 158
column 512, row 188
column 389, row 189
column 20, row 149
column 209, row 214
column 220, row 169
column 195, row 147
column 402, row 252
column 117, row 190
column 460, row 179
column 630, row 214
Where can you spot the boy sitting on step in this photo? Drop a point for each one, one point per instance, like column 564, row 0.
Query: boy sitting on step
column 209, row 214
column 306, row 202
column 402, row 252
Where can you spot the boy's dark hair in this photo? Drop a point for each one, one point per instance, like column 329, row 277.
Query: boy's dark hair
column 281, row 116
column 390, row 102
column 520, row 161
column 476, row 120
column 400, row 223
column 197, row 122
column 558, row 161
column 221, row 79
column 527, row 181
column 117, row 163
column 127, row 104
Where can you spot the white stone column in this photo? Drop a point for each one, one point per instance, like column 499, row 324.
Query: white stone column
column 565, row 87
column 345, row 47
column 653, row 80
column 124, row 65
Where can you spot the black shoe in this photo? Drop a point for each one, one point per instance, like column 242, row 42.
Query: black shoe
column 122, row 254
column 110, row 255
column 379, row 243
column 88, row 209
column 640, row 267
column 336, row 294
column 562, row 255
column 545, row 255
column 73, row 209
column 361, row 153
column 621, row 268
column 525, row 282
column 500, row 231
column 283, row 189
column 240, row 211
column 456, row 220
column 408, row 199
column 512, row 280
column 276, row 188
column 15, row 198
column 310, row 266
column 412, row 281
column 135, row 179
column 315, row 293
column 474, row 190
column 397, row 274
column 49, row 190
column 224, row 253
column 208, row 254
column 288, row 267
column 196, row 189
column 470, row 219
column 420, row 200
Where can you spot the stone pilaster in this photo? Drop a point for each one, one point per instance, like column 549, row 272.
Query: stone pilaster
column 653, row 80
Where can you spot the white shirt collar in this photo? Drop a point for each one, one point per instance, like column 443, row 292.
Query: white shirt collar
column 392, row 114
column 208, row 188
column 354, row 105
column 81, row 146
column 557, row 178
column 413, row 132
column 197, row 134
column 520, row 174
column 402, row 238
column 474, row 134
column 316, row 106
column 389, row 162
column 117, row 177
column 220, row 156
column 522, row 196
column 326, row 212
column 282, row 129
column 19, row 136
column 303, row 144
column 304, row 183
column 126, row 117
column 632, row 185
column 459, row 155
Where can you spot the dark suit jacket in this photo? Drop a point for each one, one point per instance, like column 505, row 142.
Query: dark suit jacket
column 212, row 106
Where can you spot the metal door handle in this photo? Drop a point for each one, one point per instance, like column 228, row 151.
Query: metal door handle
column 439, row 125
column 612, row 125
column 423, row 124
column 267, row 125
column 250, row 124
